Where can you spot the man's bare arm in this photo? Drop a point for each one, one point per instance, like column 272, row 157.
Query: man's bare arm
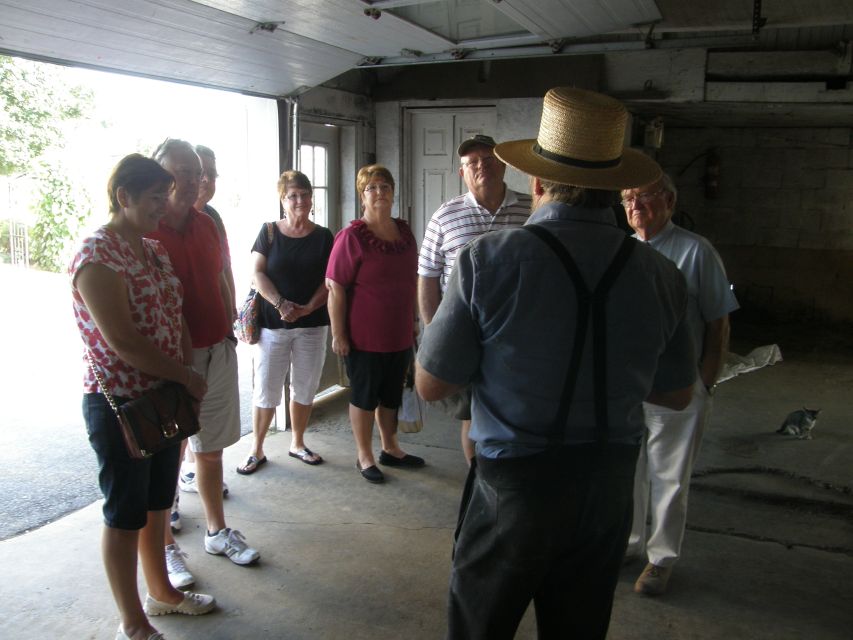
column 714, row 350
column 429, row 297
column 431, row 388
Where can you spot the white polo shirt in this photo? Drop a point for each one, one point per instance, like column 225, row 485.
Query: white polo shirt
column 460, row 220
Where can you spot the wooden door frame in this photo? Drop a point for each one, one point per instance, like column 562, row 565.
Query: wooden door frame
column 407, row 108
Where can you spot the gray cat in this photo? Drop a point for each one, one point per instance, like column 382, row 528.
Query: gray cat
column 800, row 423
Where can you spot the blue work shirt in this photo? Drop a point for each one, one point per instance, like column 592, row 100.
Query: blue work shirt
column 506, row 325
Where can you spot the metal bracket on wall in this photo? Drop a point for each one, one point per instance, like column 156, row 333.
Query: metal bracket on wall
column 757, row 20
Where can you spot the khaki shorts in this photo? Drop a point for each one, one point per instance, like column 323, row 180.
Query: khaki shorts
column 220, row 409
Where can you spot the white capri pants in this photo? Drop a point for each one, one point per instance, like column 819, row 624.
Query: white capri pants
column 302, row 351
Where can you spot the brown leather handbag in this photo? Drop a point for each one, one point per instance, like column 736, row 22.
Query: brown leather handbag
column 160, row 418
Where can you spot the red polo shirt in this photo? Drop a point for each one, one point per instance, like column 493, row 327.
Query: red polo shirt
column 197, row 259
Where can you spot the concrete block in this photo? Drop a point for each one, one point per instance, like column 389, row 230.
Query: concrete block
column 838, row 220
column 840, row 179
column 813, row 239
column 839, row 136
column 804, row 178
column 761, row 217
column 770, row 237
column 737, row 236
column 773, row 198
column 689, row 138
column 824, row 199
column 799, row 218
column 818, row 157
column 761, row 174
column 843, row 241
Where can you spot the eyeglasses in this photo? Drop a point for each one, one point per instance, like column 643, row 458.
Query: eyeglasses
column 293, row 197
column 642, row 198
column 381, row 187
column 485, row 161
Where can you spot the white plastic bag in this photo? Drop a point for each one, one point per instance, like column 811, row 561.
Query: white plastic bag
column 410, row 415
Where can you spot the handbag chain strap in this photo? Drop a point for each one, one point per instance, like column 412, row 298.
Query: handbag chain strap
column 101, row 384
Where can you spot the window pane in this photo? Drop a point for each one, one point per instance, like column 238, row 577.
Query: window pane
column 321, row 197
column 306, row 161
column 320, row 166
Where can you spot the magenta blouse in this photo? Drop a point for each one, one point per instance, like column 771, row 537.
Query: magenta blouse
column 380, row 279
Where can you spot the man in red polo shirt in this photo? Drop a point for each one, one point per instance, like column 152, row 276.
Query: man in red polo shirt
column 192, row 240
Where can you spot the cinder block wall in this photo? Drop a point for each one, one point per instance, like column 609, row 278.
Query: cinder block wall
column 783, row 216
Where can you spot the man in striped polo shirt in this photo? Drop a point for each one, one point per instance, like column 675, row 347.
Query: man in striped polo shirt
column 488, row 205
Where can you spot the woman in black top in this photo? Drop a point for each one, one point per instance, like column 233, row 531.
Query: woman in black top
column 290, row 259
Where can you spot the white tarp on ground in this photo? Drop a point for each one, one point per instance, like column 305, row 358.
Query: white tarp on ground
column 755, row 359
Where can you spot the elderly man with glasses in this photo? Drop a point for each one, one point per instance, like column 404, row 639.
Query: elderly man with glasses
column 672, row 438
column 487, row 206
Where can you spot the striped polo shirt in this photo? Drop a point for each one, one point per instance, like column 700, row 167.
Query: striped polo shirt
column 460, row 220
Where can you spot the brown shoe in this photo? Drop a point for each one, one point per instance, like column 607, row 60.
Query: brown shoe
column 652, row 581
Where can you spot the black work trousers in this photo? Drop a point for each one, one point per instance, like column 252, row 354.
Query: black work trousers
column 551, row 528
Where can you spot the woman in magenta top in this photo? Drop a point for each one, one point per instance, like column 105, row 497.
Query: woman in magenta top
column 372, row 282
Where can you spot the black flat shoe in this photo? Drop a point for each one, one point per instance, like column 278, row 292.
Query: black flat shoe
column 371, row 473
column 406, row 461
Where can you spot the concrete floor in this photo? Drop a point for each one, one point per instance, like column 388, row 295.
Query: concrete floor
column 768, row 552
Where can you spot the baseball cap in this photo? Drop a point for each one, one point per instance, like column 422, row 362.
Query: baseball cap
column 478, row 140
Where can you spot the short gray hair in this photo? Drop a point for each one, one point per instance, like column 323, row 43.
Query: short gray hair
column 201, row 150
column 169, row 146
column 669, row 185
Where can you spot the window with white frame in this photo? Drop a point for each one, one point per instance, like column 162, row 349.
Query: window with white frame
column 314, row 161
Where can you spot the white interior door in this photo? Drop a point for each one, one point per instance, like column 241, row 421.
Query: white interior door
column 435, row 134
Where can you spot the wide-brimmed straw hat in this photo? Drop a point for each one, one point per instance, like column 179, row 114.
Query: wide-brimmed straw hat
column 581, row 143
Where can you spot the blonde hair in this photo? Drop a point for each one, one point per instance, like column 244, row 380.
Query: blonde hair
column 295, row 178
column 367, row 173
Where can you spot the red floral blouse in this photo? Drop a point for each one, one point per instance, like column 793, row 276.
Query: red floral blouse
column 155, row 295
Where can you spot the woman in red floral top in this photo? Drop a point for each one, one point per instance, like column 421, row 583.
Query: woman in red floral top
column 372, row 282
column 127, row 303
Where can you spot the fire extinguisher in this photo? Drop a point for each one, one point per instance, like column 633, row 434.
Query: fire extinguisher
column 712, row 174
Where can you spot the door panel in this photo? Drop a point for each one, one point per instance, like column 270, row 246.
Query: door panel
column 435, row 135
column 432, row 164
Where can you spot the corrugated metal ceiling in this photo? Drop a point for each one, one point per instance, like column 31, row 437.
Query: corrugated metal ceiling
column 280, row 47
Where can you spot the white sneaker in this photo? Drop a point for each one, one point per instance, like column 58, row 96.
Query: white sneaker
column 231, row 543
column 175, row 516
column 186, row 481
column 193, row 604
column 121, row 635
column 179, row 575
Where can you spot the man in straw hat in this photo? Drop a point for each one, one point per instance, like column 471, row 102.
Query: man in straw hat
column 563, row 328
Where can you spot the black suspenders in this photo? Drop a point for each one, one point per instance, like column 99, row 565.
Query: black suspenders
column 589, row 303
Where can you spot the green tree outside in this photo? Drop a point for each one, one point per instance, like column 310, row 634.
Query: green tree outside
column 37, row 103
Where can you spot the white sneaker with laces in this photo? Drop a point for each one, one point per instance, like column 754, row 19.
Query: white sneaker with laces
column 231, row 543
column 179, row 575
column 193, row 604
column 186, row 481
